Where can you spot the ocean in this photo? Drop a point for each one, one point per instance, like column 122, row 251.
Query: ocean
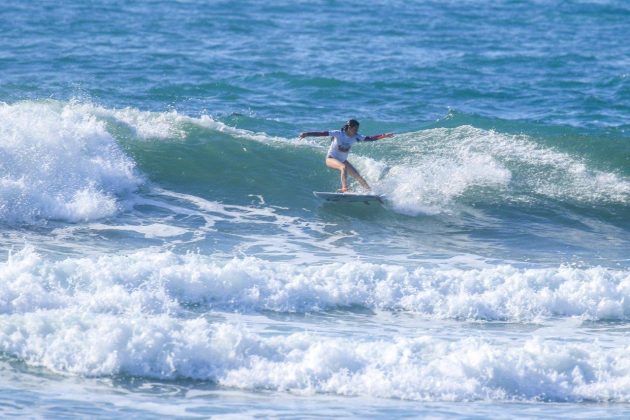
column 162, row 253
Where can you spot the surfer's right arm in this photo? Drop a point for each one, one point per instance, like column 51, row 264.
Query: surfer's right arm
column 314, row 134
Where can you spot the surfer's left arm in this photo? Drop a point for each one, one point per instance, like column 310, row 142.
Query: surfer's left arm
column 378, row 137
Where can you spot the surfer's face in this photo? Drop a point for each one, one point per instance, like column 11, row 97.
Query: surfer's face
column 352, row 130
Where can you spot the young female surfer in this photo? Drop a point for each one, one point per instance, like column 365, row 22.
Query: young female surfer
column 341, row 142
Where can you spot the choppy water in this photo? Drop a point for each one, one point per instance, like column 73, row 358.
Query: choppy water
column 162, row 252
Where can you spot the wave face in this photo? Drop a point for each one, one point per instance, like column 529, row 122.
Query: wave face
column 175, row 180
column 431, row 171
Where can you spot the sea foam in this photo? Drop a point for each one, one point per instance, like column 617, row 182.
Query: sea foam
column 432, row 171
column 130, row 315
column 420, row 368
column 164, row 282
column 59, row 163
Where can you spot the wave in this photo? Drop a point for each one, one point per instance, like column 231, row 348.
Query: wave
column 77, row 161
column 422, row 368
column 152, row 314
column 163, row 282
column 430, row 171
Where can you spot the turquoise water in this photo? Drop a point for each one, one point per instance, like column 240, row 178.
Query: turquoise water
column 162, row 252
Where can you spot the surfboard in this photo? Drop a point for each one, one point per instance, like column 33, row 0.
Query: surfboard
column 348, row 197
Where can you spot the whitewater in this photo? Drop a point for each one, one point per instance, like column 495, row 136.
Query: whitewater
column 162, row 253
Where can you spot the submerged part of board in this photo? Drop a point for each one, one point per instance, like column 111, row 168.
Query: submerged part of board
column 348, row 197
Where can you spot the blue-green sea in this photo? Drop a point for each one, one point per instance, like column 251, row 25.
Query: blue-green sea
column 162, row 253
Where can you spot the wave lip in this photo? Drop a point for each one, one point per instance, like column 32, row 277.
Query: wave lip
column 59, row 163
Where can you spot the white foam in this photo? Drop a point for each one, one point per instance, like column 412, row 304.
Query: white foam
column 122, row 315
column 430, row 369
column 156, row 280
column 554, row 173
column 432, row 184
column 153, row 230
column 420, row 368
column 432, row 169
column 59, row 163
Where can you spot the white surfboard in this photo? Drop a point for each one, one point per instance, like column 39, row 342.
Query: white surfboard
column 348, row 197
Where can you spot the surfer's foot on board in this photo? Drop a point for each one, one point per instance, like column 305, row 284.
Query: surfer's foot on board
column 342, row 190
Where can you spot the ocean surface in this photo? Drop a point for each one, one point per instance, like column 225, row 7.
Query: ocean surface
column 162, row 253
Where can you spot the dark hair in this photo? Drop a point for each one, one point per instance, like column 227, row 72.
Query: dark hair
column 350, row 123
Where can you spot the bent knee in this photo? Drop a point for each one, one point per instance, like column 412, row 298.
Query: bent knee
column 335, row 164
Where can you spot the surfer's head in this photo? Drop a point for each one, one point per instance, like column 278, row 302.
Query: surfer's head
column 351, row 127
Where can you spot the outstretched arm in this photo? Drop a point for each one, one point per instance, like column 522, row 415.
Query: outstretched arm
column 378, row 137
column 314, row 134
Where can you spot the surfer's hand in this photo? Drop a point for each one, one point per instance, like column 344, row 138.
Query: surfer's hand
column 388, row 135
column 302, row 135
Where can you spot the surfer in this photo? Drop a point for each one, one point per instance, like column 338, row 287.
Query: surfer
column 341, row 142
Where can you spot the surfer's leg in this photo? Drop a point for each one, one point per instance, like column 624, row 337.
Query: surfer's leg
column 355, row 174
column 340, row 166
